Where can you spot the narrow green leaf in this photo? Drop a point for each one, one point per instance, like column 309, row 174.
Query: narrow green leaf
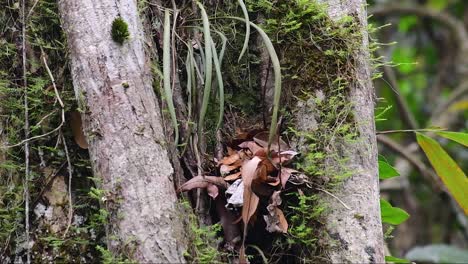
column 458, row 137
column 247, row 28
column 223, row 46
column 452, row 176
column 393, row 259
column 277, row 72
column 392, row 215
column 208, row 66
column 219, row 77
column 190, row 72
column 386, row 171
column 167, row 72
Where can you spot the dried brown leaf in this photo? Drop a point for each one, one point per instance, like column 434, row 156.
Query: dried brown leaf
column 283, row 224
column 229, row 159
column 285, row 174
column 284, row 157
column 231, row 151
column 249, row 172
column 77, row 129
column 226, row 169
column 251, row 145
column 202, row 182
column 275, row 220
column 277, row 145
column 212, row 190
column 233, row 177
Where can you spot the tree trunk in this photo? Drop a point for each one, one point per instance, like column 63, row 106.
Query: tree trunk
column 122, row 122
column 356, row 233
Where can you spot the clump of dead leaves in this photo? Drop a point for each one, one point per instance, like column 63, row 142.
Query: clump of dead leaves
column 250, row 170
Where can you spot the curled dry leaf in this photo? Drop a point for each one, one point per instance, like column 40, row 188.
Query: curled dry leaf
column 77, row 129
column 277, row 145
column 285, row 174
column 233, row 177
column 202, row 182
column 229, row 159
column 284, row 157
column 252, row 146
column 226, row 169
column 249, row 172
column 275, row 220
column 231, row 151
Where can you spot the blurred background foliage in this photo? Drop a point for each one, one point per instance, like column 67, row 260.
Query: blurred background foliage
column 423, row 51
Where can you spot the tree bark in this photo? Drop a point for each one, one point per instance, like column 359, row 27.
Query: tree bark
column 122, row 122
column 355, row 234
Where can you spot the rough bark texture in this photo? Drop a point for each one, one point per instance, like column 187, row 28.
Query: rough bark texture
column 355, row 236
column 122, row 123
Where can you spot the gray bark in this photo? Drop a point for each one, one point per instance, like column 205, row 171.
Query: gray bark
column 124, row 131
column 355, row 234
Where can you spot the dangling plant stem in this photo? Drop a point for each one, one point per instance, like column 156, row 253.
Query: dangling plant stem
column 26, row 131
column 219, row 77
column 167, row 72
column 277, row 72
column 208, row 67
column 247, row 28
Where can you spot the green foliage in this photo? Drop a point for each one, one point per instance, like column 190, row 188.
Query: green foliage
column 458, row 137
column 451, row 174
column 119, row 31
column 438, row 254
column 392, row 215
column 303, row 215
column 44, row 38
column 208, row 67
column 203, row 239
column 392, row 259
column 386, row 171
column 406, row 23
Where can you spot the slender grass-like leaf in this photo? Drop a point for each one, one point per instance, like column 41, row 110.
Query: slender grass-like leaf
column 459, row 137
column 219, row 77
column 447, row 169
column 167, row 72
column 190, row 70
column 223, row 41
column 208, row 66
column 223, row 46
column 277, row 72
column 247, row 28
column 395, row 260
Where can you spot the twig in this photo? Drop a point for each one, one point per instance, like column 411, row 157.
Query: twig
column 455, row 95
column 403, row 107
column 26, row 131
column 70, row 175
column 32, row 9
column 334, row 196
column 455, row 25
column 26, row 141
column 44, row 60
column 408, row 130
